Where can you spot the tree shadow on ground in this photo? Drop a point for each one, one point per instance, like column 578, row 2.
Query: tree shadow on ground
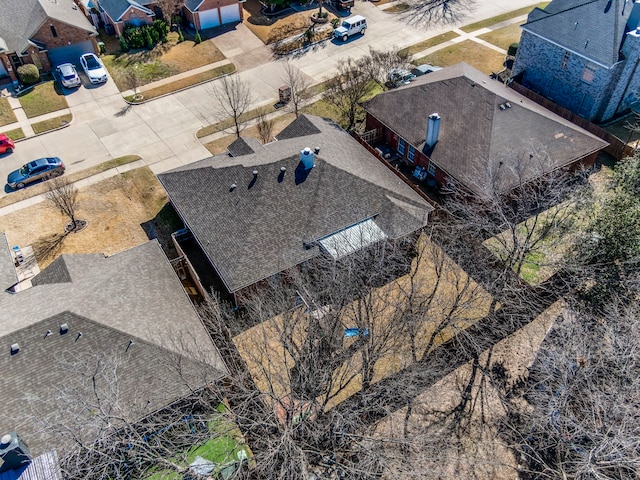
column 49, row 246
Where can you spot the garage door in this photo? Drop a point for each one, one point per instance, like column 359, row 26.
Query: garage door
column 70, row 53
column 209, row 18
column 230, row 13
column 3, row 71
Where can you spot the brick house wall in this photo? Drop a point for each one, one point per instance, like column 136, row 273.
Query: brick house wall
column 134, row 16
column 194, row 18
column 64, row 34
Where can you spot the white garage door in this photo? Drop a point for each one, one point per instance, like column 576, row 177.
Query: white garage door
column 3, row 71
column 70, row 53
column 209, row 18
column 230, row 13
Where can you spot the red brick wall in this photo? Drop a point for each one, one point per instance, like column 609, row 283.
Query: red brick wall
column 66, row 34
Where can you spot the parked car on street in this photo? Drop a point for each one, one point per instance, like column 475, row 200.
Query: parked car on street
column 6, row 144
column 343, row 4
column 93, row 67
column 399, row 76
column 40, row 169
column 424, row 69
column 68, row 75
column 351, row 26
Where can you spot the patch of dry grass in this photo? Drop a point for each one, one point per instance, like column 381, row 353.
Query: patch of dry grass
column 430, row 42
column 6, row 113
column 16, row 134
column 501, row 18
column 114, row 209
column 503, row 37
column 52, row 123
column 483, row 58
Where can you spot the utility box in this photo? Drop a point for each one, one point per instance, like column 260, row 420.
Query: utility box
column 285, row 93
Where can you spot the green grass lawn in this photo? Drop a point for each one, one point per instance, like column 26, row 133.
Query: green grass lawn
column 15, row 134
column 6, row 113
column 503, row 37
column 483, row 58
column 430, row 42
column 52, row 123
column 501, row 18
column 43, row 98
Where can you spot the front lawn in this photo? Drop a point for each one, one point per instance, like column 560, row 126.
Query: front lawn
column 16, row 134
column 43, row 98
column 147, row 66
column 6, row 113
column 52, row 123
column 501, row 18
column 503, row 37
column 483, row 58
column 430, row 42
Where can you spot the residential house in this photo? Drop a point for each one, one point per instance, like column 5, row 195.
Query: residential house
column 263, row 209
column 127, row 313
column 199, row 14
column 44, row 33
column 583, row 55
column 460, row 128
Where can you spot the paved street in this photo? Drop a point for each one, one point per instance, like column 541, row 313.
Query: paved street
column 162, row 131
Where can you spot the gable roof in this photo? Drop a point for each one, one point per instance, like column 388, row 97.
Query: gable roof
column 21, row 19
column 273, row 220
column 476, row 134
column 133, row 295
column 193, row 5
column 117, row 8
column 593, row 29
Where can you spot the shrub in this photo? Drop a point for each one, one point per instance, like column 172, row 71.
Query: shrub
column 134, row 36
column 198, row 38
column 124, row 46
column 173, row 38
column 513, row 49
column 147, row 38
column 162, row 28
column 335, row 22
column 180, row 35
column 28, row 74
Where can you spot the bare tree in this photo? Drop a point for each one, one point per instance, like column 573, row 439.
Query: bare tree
column 379, row 63
column 63, row 194
column 299, row 83
column 233, row 96
column 431, row 12
column 265, row 126
column 346, row 90
column 169, row 8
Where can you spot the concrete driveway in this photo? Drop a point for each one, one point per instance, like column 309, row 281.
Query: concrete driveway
column 163, row 131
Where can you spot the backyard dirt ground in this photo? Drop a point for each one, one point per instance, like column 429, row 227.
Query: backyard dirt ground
column 117, row 211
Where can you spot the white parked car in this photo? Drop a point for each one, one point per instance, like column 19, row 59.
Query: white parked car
column 93, row 67
column 68, row 75
column 351, row 26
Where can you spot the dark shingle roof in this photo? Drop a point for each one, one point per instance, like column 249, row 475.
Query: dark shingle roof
column 134, row 295
column 593, row 29
column 271, row 222
column 476, row 135
column 244, row 146
column 21, row 19
column 116, row 8
column 47, row 364
column 300, row 127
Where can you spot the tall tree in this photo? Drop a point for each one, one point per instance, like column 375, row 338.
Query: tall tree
column 347, row 89
column 233, row 97
column 299, row 83
column 63, row 194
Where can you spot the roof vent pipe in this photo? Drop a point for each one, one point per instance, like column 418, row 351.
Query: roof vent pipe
column 306, row 157
column 433, row 129
column 255, row 173
column 316, row 150
column 15, row 348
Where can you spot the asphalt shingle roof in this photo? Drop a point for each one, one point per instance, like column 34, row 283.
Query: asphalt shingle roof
column 134, row 295
column 8, row 275
column 593, row 29
column 116, row 8
column 272, row 221
column 477, row 136
column 21, row 19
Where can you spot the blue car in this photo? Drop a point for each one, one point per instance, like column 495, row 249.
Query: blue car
column 40, row 169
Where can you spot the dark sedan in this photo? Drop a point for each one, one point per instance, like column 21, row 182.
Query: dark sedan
column 40, row 169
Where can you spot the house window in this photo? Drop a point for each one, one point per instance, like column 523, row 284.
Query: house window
column 431, row 169
column 589, row 73
column 565, row 60
column 411, row 154
column 53, row 31
column 401, row 146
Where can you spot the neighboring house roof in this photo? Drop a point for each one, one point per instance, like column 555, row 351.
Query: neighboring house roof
column 8, row 275
column 42, row 467
column 274, row 220
column 131, row 296
column 193, row 5
column 593, row 29
column 478, row 132
column 21, row 19
column 117, row 8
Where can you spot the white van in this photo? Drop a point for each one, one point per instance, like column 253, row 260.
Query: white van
column 351, row 26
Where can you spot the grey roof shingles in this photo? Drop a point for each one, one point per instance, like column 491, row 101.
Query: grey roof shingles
column 593, row 29
column 8, row 275
column 21, row 19
column 116, row 8
column 476, row 135
column 272, row 221
column 133, row 295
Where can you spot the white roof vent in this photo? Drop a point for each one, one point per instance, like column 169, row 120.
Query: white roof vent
column 283, row 169
column 64, row 328
column 232, row 187
column 15, row 348
column 306, row 157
